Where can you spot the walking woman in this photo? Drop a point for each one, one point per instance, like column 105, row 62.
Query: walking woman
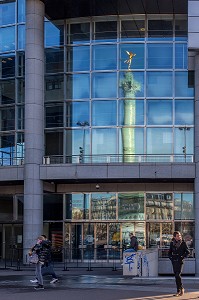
column 42, row 248
column 177, row 252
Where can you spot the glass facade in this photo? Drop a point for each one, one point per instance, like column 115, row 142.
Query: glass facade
column 104, row 220
column 128, row 81
column 12, row 29
column 115, row 91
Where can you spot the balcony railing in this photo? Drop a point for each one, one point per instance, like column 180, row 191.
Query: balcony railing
column 101, row 159
column 95, row 159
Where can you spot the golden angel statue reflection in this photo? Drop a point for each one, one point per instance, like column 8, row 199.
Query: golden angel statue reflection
column 129, row 60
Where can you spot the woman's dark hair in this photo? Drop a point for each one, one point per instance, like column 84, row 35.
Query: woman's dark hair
column 176, row 232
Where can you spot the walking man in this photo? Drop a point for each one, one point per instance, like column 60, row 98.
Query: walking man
column 133, row 242
column 177, row 252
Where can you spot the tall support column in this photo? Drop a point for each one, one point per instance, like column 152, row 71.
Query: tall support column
column 34, row 116
column 197, row 162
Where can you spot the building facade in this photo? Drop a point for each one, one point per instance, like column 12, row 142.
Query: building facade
column 98, row 124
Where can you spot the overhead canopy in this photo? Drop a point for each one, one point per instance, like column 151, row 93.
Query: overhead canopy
column 64, row 9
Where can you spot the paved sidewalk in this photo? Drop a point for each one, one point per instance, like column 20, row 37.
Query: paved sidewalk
column 99, row 284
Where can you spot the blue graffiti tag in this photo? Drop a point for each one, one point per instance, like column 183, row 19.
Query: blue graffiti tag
column 130, row 260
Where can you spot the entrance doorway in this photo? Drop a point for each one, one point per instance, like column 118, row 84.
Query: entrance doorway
column 11, row 242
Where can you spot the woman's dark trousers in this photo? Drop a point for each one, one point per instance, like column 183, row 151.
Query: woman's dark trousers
column 177, row 269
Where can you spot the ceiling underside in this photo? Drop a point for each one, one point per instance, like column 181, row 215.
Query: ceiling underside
column 64, row 9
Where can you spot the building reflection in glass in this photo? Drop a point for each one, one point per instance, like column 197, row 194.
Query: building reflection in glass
column 131, row 206
column 159, row 206
column 103, row 206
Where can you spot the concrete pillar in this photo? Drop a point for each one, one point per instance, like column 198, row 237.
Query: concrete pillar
column 197, row 162
column 34, row 118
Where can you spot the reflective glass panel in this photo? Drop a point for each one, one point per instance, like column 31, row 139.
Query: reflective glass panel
column 114, row 234
column 160, row 28
column 103, row 142
column 105, row 31
column 131, row 84
column 20, row 117
column 104, row 113
column 54, row 60
column 54, row 34
column 133, row 29
column 7, row 118
column 53, row 207
column 7, row 149
column 131, row 141
column 159, row 84
column 181, row 27
column 159, row 112
column 184, row 112
column 182, row 87
column 138, row 229
column 78, row 58
column 104, row 85
column 88, row 240
column 20, row 206
column 7, row 35
column 21, row 64
column 184, row 138
column 7, row 95
column 6, row 204
column 160, row 56
column 21, row 91
column 167, row 234
column 7, row 13
column 101, row 241
column 77, row 206
column 7, row 63
column 104, row 57
column 153, row 234
column 159, row 141
column 131, row 112
column 78, row 86
column 131, row 206
column 184, row 206
column 181, row 56
column 21, row 10
column 76, row 139
column 54, row 143
column 54, row 116
column 21, row 37
column 103, row 206
column 77, row 114
column 20, row 146
column 159, row 206
column 132, row 56
column 187, row 230
column 79, row 33
column 54, row 88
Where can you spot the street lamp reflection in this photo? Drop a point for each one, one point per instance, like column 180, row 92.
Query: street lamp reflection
column 82, row 149
column 184, row 148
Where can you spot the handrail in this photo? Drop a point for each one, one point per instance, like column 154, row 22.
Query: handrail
column 117, row 158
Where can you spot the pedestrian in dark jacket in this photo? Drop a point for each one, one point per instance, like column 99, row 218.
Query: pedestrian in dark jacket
column 133, row 242
column 47, row 267
column 177, row 252
column 42, row 248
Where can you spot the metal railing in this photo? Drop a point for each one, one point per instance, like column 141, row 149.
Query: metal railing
column 68, row 258
column 164, row 253
column 11, row 161
column 113, row 158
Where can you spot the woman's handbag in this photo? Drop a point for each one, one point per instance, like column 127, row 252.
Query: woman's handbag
column 33, row 258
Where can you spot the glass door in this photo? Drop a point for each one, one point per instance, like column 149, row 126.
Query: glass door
column 101, row 241
column 159, row 234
